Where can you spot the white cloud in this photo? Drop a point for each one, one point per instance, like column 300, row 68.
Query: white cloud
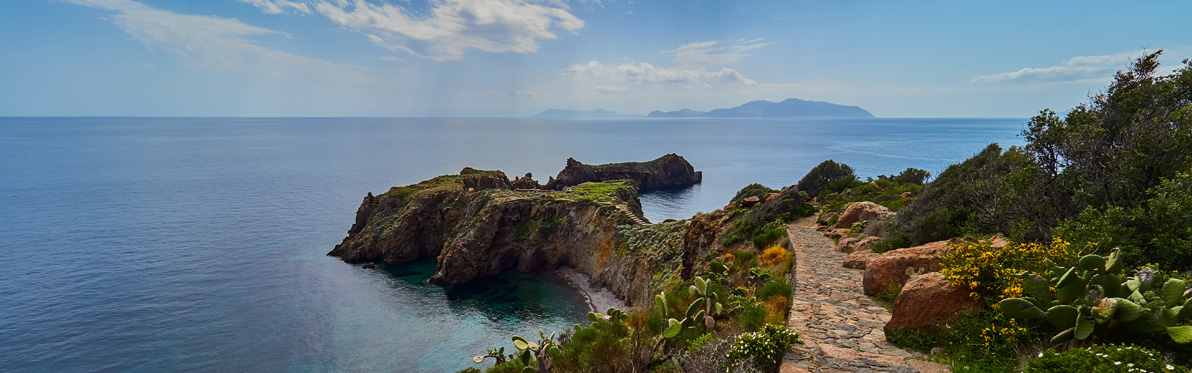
column 642, row 72
column 1074, row 69
column 208, row 42
column 390, row 58
column 714, row 53
column 278, row 6
column 451, row 28
column 603, row 89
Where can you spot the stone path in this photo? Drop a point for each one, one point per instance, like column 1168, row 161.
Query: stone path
column 842, row 328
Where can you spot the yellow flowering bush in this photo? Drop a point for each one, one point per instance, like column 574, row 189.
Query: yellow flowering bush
column 988, row 270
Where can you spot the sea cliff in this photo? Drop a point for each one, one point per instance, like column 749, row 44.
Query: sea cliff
column 478, row 224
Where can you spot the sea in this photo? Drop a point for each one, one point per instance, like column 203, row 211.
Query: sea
column 198, row 244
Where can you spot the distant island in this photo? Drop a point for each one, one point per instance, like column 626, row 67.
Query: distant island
column 791, row 107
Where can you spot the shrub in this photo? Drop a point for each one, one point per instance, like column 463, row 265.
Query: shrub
column 773, row 232
column 753, row 190
column 752, row 316
column 777, row 258
column 776, row 307
column 917, row 340
column 774, row 287
column 984, row 341
column 469, row 370
column 986, row 270
column 830, row 176
column 911, row 176
column 763, row 347
column 1102, row 358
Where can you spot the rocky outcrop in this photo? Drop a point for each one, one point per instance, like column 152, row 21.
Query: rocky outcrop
column 668, row 171
column 477, row 224
column 859, row 259
column 525, row 182
column 895, row 267
column 928, row 302
column 861, row 211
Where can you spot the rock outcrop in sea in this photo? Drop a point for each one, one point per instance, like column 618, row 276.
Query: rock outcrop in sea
column 668, row 171
column 479, row 223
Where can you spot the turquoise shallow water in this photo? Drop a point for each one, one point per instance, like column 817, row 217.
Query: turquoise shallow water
column 172, row 244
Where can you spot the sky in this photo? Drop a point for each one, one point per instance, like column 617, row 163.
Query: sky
column 512, row 58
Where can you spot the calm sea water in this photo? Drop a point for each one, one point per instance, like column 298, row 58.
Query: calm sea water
column 158, row 244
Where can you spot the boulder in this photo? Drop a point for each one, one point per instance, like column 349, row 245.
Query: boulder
column 893, row 267
column 861, row 211
column 859, row 259
column 770, row 197
column 846, row 244
column 750, row 201
column 369, row 265
column 866, row 244
column 908, row 195
column 929, row 301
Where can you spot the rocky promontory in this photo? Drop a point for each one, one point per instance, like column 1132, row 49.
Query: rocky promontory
column 668, row 171
column 478, row 223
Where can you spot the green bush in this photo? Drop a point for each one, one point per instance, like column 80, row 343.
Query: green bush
column 469, row 370
column 752, row 316
column 763, row 347
column 1102, row 359
column 917, row 340
column 753, row 190
column 760, row 223
column 774, row 287
column 911, row 176
column 827, row 176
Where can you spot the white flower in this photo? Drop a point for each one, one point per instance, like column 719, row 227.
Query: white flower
column 1040, row 354
column 1169, row 367
column 1117, row 363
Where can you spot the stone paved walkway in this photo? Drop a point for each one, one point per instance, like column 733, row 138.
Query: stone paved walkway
column 842, row 328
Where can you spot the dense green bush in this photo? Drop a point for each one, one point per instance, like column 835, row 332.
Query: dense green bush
column 992, row 192
column 753, row 190
column 760, row 224
column 1102, row 359
column 827, row 176
column 1158, row 230
column 910, row 176
column 774, row 287
column 752, row 317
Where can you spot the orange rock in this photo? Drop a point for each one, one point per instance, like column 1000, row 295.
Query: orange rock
column 890, row 268
column 859, row 259
column 928, row 302
column 750, row 201
column 861, row 211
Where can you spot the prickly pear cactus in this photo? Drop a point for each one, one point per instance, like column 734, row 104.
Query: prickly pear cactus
column 1095, row 298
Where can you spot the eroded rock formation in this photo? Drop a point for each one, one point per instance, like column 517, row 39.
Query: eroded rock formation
column 668, row 171
column 479, row 223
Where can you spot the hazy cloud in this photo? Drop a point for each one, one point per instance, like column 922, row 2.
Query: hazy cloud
column 522, row 94
column 642, row 72
column 714, row 53
column 603, row 89
column 1074, row 69
column 209, row 42
column 278, row 6
column 451, row 28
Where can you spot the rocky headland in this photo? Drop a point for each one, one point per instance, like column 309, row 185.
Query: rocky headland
column 479, row 223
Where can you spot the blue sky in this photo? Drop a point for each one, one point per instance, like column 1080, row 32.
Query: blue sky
column 519, row 57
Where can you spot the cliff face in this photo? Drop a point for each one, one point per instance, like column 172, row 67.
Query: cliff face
column 476, row 224
column 668, row 171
